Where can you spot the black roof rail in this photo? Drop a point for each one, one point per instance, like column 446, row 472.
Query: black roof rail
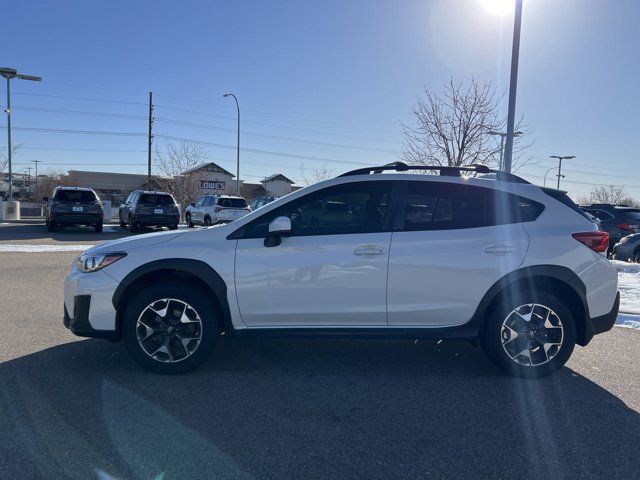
column 444, row 170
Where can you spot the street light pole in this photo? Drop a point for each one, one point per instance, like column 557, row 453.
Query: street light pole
column 513, row 85
column 10, row 73
column 544, row 184
column 560, row 158
column 502, row 136
column 238, row 148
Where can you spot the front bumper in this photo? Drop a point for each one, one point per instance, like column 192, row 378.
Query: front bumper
column 79, row 324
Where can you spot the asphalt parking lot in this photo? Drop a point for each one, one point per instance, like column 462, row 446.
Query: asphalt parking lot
column 80, row 408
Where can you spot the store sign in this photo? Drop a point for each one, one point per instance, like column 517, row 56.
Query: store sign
column 211, row 185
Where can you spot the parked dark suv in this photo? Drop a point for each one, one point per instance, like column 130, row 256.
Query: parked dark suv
column 150, row 209
column 618, row 220
column 73, row 206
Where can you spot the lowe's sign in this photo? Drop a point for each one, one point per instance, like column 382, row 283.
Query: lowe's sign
column 211, row 185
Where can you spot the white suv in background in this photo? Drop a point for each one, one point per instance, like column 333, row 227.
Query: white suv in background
column 213, row 209
column 484, row 256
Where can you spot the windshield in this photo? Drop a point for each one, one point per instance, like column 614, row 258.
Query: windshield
column 82, row 196
column 156, row 199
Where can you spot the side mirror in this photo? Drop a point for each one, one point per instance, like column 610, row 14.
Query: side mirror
column 278, row 228
column 45, row 199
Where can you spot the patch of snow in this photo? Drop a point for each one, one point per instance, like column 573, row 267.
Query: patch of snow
column 27, row 248
column 628, row 321
column 626, row 267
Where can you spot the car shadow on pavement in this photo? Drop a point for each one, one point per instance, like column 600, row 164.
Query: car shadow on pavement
column 305, row 408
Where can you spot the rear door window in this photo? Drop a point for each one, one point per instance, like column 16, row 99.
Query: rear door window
column 434, row 206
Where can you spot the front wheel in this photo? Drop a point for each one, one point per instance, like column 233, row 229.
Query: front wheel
column 188, row 220
column 207, row 221
column 529, row 334
column 170, row 328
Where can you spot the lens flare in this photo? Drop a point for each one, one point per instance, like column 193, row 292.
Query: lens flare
column 498, row 7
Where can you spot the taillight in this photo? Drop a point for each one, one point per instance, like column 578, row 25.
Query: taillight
column 598, row 241
column 629, row 227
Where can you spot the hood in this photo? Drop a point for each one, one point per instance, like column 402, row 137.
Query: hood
column 129, row 243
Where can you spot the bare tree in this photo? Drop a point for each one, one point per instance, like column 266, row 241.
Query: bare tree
column 612, row 194
column 315, row 175
column 177, row 174
column 49, row 180
column 453, row 130
column 4, row 158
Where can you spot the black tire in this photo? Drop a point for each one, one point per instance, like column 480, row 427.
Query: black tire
column 122, row 223
column 187, row 219
column 132, row 226
column 494, row 333
column 98, row 228
column 51, row 226
column 207, row 221
column 173, row 227
column 197, row 300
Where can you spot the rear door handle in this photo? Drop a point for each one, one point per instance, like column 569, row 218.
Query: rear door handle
column 500, row 248
column 368, row 251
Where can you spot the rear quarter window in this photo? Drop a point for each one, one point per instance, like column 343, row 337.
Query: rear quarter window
column 503, row 208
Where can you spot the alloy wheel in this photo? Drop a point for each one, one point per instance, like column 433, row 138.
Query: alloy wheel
column 532, row 334
column 169, row 330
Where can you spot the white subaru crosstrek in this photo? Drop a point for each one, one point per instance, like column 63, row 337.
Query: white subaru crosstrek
column 482, row 256
column 212, row 209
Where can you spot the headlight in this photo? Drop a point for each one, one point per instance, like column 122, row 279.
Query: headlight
column 92, row 262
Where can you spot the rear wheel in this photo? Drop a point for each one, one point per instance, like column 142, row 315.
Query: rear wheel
column 529, row 334
column 132, row 226
column 170, row 328
column 207, row 221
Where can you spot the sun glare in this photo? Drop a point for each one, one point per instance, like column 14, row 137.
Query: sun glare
column 499, row 7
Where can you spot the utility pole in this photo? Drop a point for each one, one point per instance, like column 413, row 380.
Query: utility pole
column 238, row 146
column 560, row 158
column 513, row 85
column 36, row 162
column 10, row 73
column 150, row 140
column 26, row 191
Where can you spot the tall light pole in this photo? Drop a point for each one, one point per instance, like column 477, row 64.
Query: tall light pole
column 502, row 137
column 10, row 73
column 36, row 162
column 544, row 184
column 513, row 85
column 238, row 152
column 560, row 158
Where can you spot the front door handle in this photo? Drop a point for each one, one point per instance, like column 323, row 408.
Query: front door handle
column 500, row 248
column 368, row 251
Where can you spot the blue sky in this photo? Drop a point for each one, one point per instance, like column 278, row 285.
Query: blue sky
column 332, row 80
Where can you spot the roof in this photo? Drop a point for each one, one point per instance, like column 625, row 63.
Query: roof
column 152, row 192
column 81, row 189
column 211, row 166
column 277, row 176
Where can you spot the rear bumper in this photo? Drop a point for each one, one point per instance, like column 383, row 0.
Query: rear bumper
column 77, row 218
column 156, row 220
column 604, row 323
